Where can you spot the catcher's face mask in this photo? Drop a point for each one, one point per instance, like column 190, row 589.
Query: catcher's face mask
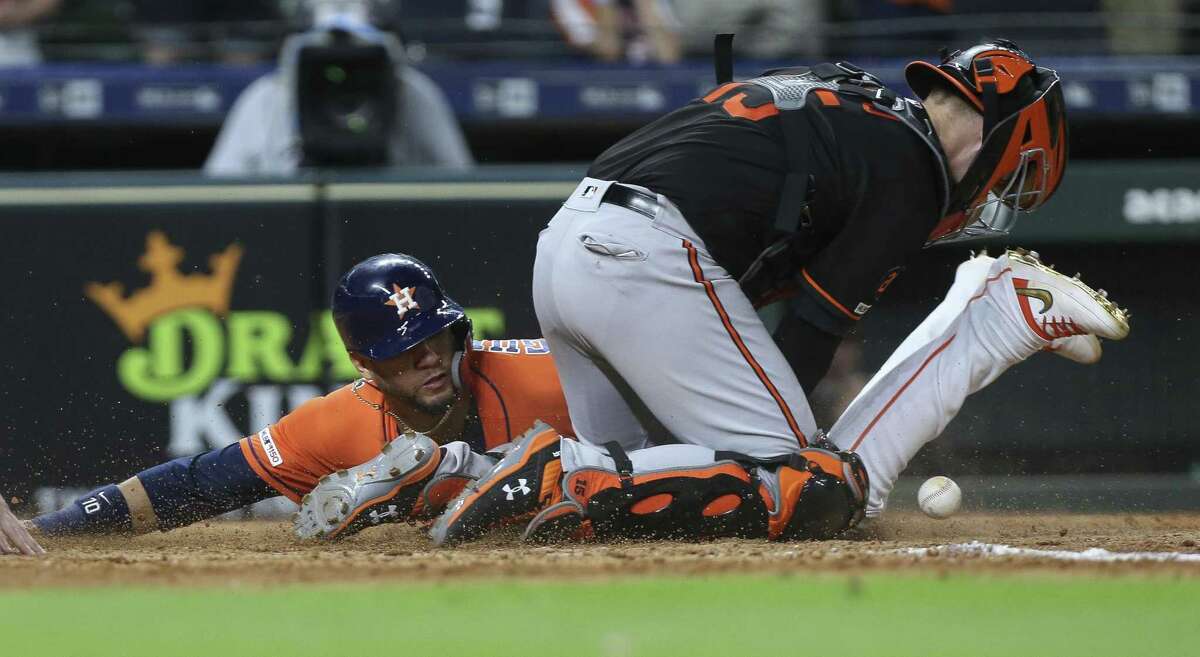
column 1024, row 148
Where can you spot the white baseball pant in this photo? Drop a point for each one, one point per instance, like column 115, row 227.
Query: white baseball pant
column 974, row 335
column 971, row 338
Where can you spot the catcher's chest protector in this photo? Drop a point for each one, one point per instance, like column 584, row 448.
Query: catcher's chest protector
column 800, row 99
column 799, row 93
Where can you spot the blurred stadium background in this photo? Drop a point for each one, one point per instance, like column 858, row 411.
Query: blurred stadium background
column 109, row 110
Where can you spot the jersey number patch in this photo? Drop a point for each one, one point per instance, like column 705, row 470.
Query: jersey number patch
column 735, row 105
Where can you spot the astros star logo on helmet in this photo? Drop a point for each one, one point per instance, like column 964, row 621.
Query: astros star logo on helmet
column 402, row 299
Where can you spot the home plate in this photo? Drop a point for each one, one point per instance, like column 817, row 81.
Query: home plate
column 1099, row 555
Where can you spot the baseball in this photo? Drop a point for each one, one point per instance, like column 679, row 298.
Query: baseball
column 939, row 497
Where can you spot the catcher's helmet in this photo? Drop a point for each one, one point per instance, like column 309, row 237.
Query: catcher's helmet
column 1024, row 151
column 390, row 303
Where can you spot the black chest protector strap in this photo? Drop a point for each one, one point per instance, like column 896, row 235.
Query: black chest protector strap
column 792, row 214
column 723, row 58
column 798, row 186
column 771, row 275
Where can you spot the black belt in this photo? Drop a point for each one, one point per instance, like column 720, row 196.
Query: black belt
column 643, row 203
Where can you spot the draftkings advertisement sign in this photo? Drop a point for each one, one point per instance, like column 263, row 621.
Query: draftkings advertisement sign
column 138, row 334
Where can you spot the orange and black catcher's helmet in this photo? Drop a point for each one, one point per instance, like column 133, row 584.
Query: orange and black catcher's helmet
column 1024, row 149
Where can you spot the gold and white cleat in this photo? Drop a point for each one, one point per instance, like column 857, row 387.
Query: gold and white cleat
column 1066, row 306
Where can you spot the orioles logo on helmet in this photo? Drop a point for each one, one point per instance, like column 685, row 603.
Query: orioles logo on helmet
column 1024, row 149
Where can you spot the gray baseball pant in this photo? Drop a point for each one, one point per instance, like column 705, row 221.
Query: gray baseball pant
column 654, row 341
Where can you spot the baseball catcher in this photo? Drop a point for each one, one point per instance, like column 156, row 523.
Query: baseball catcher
column 812, row 184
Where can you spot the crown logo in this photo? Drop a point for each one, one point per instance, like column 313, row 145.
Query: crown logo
column 169, row 289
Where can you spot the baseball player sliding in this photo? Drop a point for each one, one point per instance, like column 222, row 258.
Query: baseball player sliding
column 421, row 372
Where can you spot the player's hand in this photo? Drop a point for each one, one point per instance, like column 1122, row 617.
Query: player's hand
column 14, row 537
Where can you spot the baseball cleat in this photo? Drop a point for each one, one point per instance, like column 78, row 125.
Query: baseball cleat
column 1065, row 306
column 525, row 481
column 385, row 489
column 1083, row 349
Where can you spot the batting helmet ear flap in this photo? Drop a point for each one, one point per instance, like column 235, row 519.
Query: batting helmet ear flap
column 464, row 333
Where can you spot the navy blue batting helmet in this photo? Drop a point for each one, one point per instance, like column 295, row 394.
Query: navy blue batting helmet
column 390, row 303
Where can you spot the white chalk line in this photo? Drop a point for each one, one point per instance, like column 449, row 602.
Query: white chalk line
column 979, row 549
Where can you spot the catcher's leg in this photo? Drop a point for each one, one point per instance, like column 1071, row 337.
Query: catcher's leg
column 638, row 293
column 691, row 492
column 1019, row 308
column 600, row 401
column 411, row 479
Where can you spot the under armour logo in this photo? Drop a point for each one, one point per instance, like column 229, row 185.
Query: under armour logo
column 377, row 517
column 521, row 488
column 402, row 299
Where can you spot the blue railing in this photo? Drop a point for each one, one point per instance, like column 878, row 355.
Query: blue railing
column 1095, row 87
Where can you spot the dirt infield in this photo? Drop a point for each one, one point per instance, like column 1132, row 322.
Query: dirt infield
column 229, row 553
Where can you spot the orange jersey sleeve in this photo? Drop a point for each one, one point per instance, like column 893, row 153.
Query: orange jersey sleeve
column 321, row 436
column 514, row 384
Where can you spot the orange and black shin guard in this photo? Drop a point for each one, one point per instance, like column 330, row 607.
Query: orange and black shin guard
column 714, row 501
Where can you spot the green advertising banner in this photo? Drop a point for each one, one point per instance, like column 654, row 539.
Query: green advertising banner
column 1151, row 201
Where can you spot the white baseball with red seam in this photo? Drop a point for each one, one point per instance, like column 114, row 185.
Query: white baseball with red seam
column 939, row 497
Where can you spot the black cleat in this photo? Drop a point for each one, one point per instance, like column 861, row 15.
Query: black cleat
column 525, row 481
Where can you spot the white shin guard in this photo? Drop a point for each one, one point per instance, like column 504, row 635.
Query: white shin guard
column 972, row 337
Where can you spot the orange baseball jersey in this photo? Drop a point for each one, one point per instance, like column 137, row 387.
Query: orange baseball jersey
column 512, row 382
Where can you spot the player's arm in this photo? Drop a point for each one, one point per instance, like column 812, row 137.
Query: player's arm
column 662, row 29
column 14, row 535
column 167, row 496
column 20, row 13
column 608, row 44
